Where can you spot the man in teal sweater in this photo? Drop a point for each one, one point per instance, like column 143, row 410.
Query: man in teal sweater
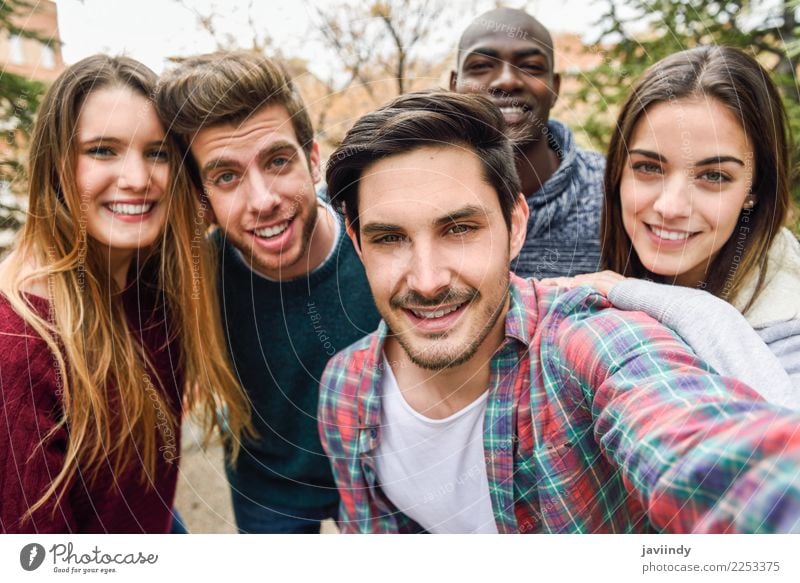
column 293, row 291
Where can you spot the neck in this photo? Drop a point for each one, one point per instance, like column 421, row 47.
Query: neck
column 437, row 394
column 119, row 262
column 319, row 246
column 322, row 239
column 536, row 163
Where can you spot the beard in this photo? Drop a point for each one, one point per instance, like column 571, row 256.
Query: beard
column 441, row 355
column 309, row 224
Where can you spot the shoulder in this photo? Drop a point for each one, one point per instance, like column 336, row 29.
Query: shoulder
column 345, row 369
column 779, row 300
column 348, row 376
column 24, row 354
column 583, row 326
column 591, row 160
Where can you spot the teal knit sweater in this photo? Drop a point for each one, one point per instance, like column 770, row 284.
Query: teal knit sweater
column 281, row 335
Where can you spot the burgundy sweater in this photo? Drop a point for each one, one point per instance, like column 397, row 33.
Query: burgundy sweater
column 30, row 406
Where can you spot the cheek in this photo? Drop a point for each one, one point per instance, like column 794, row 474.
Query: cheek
column 630, row 203
column 722, row 219
column 224, row 209
column 385, row 271
column 160, row 177
column 469, row 85
column 87, row 179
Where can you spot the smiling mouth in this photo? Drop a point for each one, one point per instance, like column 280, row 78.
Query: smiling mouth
column 432, row 314
column 514, row 110
column 273, row 231
column 671, row 235
column 129, row 209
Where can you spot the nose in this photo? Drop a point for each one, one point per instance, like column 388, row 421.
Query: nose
column 262, row 198
column 507, row 78
column 134, row 174
column 428, row 272
column 675, row 200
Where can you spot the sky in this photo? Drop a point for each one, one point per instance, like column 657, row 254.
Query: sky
column 153, row 30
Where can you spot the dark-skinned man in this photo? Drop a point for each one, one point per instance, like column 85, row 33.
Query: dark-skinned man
column 507, row 55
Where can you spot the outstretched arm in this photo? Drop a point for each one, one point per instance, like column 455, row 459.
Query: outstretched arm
column 701, row 452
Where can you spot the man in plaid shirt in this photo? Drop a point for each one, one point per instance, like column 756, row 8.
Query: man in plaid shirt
column 489, row 403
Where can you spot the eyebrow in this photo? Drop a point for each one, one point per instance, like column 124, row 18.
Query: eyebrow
column 719, row 160
column 703, row 162
column 101, row 139
column 111, row 140
column 462, row 213
column 262, row 155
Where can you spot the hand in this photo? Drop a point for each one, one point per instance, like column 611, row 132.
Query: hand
column 602, row 281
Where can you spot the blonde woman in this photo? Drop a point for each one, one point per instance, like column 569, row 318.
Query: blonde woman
column 107, row 315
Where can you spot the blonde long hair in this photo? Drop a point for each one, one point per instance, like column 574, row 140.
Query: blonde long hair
column 93, row 346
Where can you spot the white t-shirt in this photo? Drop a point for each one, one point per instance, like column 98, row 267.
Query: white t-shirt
column 433, row 470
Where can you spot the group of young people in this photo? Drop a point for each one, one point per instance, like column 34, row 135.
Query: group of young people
column 366, row 354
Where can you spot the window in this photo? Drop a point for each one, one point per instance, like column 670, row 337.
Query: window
column 47, row 58
column 15, row 55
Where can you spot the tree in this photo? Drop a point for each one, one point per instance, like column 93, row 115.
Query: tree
column 19, row 101
column 387, row 39
column 371, row 52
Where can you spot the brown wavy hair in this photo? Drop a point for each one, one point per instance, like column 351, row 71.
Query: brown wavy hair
column 741, row 84
column 227, row 87
column 89, row 335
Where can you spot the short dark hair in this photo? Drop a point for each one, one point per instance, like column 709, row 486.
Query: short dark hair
column 424, row 119
column 227, row 88
column 741, row 84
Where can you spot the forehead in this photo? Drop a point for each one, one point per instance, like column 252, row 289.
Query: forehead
column 268, row 125
column 701, row 124
column 114, row 109
column 416, row 188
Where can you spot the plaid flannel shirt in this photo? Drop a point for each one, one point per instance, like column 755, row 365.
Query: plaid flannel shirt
column 597, row 421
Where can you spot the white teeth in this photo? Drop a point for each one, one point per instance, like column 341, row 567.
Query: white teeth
column 505, row 110
column 670, row 235
column 272, row 231
column 437, row 313
column 120, row 208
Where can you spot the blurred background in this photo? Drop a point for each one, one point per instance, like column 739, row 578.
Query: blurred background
column 350, row 56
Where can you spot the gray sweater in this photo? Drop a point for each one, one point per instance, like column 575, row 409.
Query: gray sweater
column 767, row 359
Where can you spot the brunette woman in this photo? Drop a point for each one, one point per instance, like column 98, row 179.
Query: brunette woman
column 697, row 197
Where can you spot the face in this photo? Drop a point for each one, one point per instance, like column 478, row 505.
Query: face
column 261, row 189
column 436, row 252
column 121, row 171
column 686, row 181
column 516, row 74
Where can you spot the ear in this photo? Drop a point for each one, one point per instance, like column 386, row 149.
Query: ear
column 453, row 80
column 556, row 88
column 351, row 232
column 750, row 201
column 519, row 226
column 313, row 162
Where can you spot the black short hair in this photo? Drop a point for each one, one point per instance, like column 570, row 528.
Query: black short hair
column 424, row 119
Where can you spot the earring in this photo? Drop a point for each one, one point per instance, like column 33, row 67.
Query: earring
column 749, row 204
